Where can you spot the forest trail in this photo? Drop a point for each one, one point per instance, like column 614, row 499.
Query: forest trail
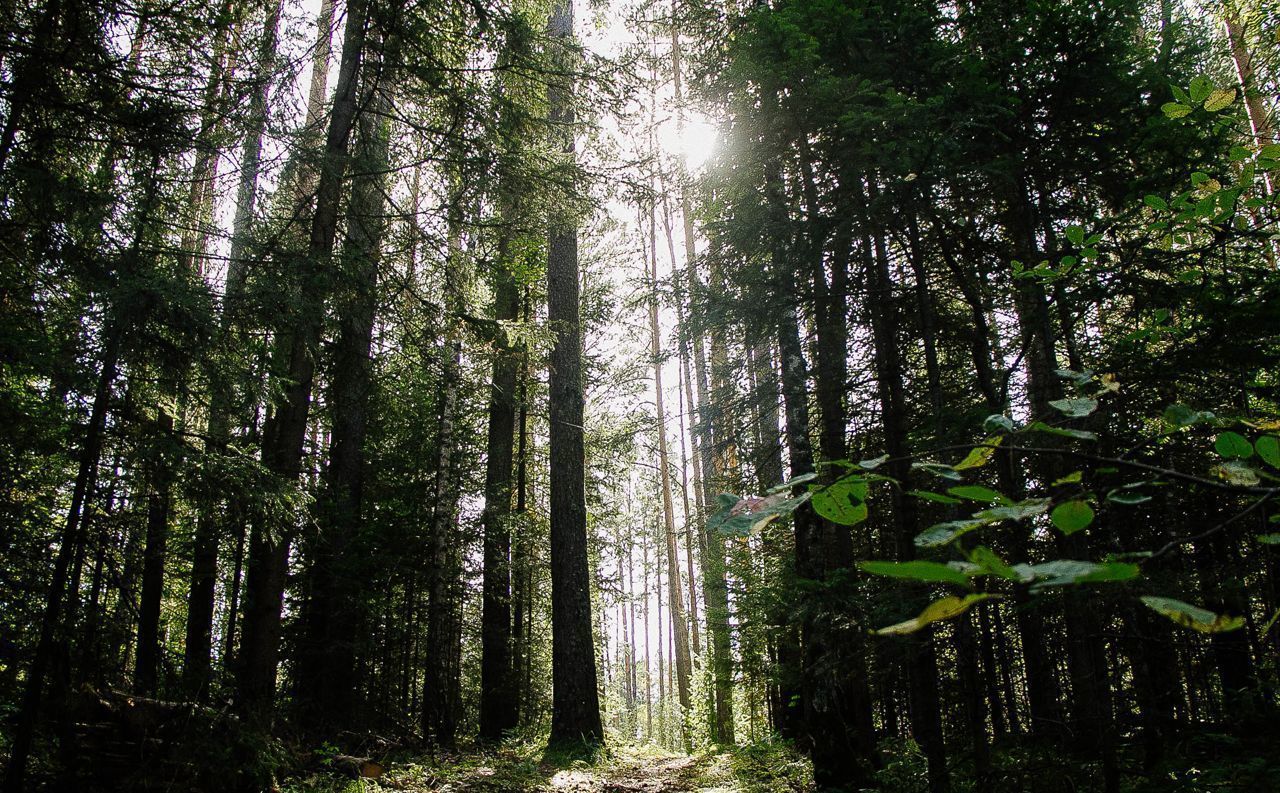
column 630, row 770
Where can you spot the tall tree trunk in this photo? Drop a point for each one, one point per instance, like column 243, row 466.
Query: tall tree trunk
column 499, row 708
column 283, row 437
column 196, row 666
column 146, row 668
column 338, row 622
column 675, row 594
column 575, row 708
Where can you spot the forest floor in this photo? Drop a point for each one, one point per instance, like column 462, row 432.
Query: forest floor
column 625, row 769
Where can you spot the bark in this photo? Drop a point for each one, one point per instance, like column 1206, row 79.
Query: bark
column 196, row 669
column 337, row 624
column 498, row 696
column 675, row 595
column 284, row 434
column 575, row 707
column 146, row 669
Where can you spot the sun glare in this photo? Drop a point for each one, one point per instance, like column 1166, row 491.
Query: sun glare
column 695, row 144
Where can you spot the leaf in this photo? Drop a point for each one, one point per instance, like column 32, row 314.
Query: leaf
column 1194, row 617
column 874, row 462
column 843, row 501
column 939, row 469
column 978, row 493
column 1268, row 448
column 1200, row 88
column 916, row 571
column 1179, row 416
column 1269, row 539
column 1019, row 511
column 1063, row 572
column 998, row 423
column 790, row 483
column 1065, row 432
column 748, row 515
column 943, row 533
column 1156, row 202
column 1175, row 109
column 930, row 496
column 1233, row 446
column 987, row 559
column 1236, row 473
column 944, row 609
column 1220, row 99
column 1127, row 497
column 1072, row 516
column 1076, row 235
column 1070, row 479
column 980, row 455
column 1078, row 407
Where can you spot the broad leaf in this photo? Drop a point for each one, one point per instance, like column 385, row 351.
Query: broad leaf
column 1065, row 432
column 1072, row 516
column 1075, row 408
column 1233, row 446
column 1268, row 448
column 917, row 571
column 979, row 455
column 939, row 469
column 1175, row 109
column 931, row 496
column 987, row 559
column 942, row 533
column 843, row 501
column 1220, row 99
column 1193, row 617
column 874, row 462
column 978, row 493
column 1237, row 473
column 998, row 423
column 1019, row 511
column 944, row 609
column 1063, row 572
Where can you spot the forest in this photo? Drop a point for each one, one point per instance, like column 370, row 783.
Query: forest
column 639, row 395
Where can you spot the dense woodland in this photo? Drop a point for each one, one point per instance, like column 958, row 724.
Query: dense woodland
column 889, row 384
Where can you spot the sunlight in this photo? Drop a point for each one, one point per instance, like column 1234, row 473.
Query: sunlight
column 696, row 145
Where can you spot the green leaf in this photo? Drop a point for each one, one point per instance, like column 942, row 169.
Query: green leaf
column 998, row 423
column 1179, row 416
column 790, row 483
column 1194, row 617
column 1233, row 446
column 943, row 609
column 1070, row 479
column 1127, row 497
column 939, row 469
column 943, row 533
column 1065, row 432
column 1019, row 511
column 1268, row 448
column 843, row 501
column 1269, row 539
column 1063, row 572
column 1156, row 202
column 987, row 559
column 1271, row 151
column 1220, row 99
column 978, row 493
column 1236, row 472
column 1072, row 516
column 980, row 455
column 930, row 496
column 1175, row 109
column 748, row 515
column 1075, row 408
column 874, row 462
column 916, row 571
column 1201, row 86
column 1076, row 235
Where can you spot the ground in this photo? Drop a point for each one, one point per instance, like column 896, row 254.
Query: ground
column 622, row 770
